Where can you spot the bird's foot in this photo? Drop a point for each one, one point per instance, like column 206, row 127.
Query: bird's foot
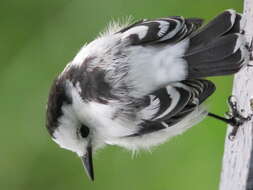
column 235, row 116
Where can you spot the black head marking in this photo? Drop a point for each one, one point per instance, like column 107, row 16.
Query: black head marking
column 57, row 97
column 93, row 87
column 92, row 81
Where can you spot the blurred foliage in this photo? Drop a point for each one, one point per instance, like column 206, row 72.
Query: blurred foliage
column 37, row 39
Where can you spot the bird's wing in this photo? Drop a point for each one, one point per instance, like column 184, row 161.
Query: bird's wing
column 168, row 106
column 169, row 29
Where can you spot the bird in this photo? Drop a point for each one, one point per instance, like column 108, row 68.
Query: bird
column 137, row 85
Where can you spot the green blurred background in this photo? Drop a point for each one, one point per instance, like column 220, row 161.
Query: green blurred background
column 37, row 39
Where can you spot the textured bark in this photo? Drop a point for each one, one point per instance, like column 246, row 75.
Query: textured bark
column 237, row 171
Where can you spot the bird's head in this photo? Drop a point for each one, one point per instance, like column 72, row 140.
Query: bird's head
column 80, row 114
column 67, row 127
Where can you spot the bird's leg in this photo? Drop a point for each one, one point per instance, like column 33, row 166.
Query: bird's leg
column 235, row 117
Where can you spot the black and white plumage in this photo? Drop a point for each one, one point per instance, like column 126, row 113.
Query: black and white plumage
column 139, row 85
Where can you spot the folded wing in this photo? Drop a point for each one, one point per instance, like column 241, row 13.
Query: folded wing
column 168, row 106
column 163, row 30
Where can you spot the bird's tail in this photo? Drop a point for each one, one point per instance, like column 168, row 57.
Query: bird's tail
column 218, row 48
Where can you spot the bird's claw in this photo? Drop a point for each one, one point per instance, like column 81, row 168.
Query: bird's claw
column 236, row 119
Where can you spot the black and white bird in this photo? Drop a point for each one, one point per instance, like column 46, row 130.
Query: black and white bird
column 139, row 85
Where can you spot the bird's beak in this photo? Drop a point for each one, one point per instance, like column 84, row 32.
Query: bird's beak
column 87, row 162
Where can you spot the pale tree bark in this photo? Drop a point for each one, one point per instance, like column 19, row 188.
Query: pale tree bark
column 237, row 171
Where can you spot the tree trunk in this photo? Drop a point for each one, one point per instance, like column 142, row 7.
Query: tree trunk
column 237, row 171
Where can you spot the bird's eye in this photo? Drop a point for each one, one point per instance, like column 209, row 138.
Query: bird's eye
column 84, row 131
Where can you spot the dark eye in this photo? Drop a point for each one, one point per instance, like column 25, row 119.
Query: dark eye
column 84, row 131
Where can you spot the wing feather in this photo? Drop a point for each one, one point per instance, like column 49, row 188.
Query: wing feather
column 191, row 94
column 169, row 29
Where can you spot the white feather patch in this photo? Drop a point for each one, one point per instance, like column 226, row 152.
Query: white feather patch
column 153, row 68
column 175, row 98
column 153, row 139
column 164, row 26
column 141, row 31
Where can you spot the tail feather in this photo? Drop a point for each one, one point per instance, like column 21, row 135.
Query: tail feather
column 218, row 48
column 236, row 26
column 228, row 65
column 215, row 28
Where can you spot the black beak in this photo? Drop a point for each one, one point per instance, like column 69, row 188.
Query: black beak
column 87, row 163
